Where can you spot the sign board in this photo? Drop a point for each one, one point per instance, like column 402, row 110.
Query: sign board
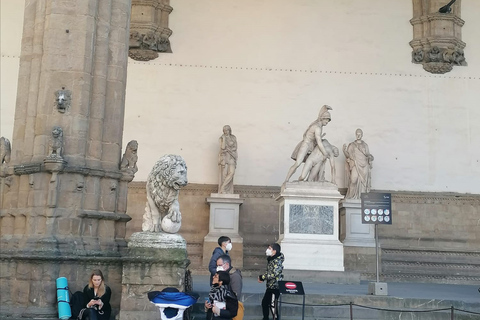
column 376, row 208
column 291, row 287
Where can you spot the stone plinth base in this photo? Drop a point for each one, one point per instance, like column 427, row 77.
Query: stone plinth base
column 309, row 226
column 224, row 220
column 154, row 261
column 352, row 232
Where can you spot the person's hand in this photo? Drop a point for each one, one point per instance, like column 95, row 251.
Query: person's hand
column 216, row 310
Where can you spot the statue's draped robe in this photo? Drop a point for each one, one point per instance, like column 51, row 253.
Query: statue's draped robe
column 358, row 174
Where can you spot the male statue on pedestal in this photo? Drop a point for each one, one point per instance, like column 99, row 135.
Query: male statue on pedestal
column 358, row 167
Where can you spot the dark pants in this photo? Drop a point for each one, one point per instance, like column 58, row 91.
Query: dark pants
column 267, row 302
column 90, row 314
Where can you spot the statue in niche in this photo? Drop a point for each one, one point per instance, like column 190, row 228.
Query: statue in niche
column 162, row 210
column 129, row 159
column 311, row 138
column 56, row 143
column 5, row 151
column 315, row 163
column 358, row 167
column 227, row 160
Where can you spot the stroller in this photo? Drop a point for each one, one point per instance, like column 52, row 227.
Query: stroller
column 172, row 303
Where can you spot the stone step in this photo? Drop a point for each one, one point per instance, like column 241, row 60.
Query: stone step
column 408, row 265
column 431, row 256
column 294, row 312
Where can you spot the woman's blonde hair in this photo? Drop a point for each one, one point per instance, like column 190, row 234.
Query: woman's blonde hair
column 101, row 288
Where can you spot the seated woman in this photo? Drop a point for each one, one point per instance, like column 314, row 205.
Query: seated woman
column 97, row 296
column 222, row 304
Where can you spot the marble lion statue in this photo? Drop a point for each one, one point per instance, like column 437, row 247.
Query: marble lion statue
column 162, row 211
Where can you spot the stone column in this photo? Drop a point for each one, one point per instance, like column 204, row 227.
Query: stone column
column 60, row 207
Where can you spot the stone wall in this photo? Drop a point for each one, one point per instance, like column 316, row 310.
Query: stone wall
column 441, row 222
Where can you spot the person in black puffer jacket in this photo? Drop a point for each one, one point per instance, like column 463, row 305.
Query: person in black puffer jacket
column 273, row 274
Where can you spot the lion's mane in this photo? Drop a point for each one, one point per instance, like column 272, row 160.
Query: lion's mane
column 163, row 187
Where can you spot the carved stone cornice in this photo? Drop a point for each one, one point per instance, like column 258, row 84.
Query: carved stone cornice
column 30, row 168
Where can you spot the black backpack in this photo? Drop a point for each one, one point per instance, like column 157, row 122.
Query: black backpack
column 77, row 304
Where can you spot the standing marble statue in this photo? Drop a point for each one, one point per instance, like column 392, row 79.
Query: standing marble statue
column 162, row 211
column 227, row 160
column 358, row 167
column 311, row 138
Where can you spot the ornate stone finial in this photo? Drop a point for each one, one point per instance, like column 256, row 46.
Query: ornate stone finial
column 56, row 143
column 162, row 210
column 5, row 150
column 358, row 167
column 63, row 99
column 227, row 160
column 129, row 160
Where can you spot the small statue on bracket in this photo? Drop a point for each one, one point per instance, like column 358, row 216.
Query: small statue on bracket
column 56, row 143
column 130, row 157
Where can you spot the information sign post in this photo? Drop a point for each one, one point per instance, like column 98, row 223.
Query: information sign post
column 290, row 287
column 377, row 209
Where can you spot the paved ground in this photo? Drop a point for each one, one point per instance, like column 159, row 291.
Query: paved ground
column 465, row 293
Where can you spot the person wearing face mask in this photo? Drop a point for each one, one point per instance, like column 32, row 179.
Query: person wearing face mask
column 224, row 263
column 222, row 304
column 273, row 274
column 225, row 245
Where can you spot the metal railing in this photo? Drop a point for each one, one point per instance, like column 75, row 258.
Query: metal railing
column 351, row 306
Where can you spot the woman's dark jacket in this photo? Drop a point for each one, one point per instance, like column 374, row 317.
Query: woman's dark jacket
column 89, row 294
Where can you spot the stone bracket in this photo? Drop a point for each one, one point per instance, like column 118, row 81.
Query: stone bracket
column 437, row 37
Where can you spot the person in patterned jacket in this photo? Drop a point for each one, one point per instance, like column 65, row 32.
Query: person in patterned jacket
column 271, row 277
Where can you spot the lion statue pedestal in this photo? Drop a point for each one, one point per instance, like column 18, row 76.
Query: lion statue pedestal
column 154, row 261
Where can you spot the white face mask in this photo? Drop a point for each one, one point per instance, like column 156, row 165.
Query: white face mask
column 228, row 247
column 268, row 252
column 220, row 268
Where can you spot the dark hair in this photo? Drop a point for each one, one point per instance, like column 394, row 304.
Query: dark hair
column 276, row 247
column 222, row 239
column 226, row 258
column 224, row 277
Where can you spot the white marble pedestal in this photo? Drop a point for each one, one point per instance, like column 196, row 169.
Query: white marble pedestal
column 352, row 232
column 224, row 220
column 309, row 226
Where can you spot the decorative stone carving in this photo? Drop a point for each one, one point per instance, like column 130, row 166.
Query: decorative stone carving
column 162, row 211
column 149, row 32
column 437, row 35
column 227, row 160
column 5, row 151
column 63, row 99
column 312, row 139
column 56, row 143
column 128, row 166
column 358, row 167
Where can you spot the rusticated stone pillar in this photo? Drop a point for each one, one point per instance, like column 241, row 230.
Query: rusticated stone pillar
column 59, row 203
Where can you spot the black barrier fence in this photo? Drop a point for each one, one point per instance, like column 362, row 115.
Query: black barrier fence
column 452, row 309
